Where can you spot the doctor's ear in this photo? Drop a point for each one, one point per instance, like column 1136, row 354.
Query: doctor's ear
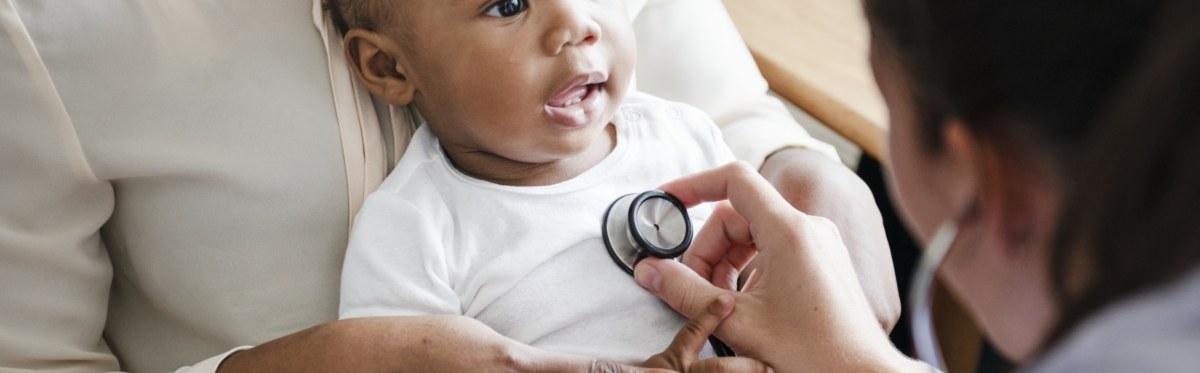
column 374, row 59
column 962, row 169
column 1015, row 192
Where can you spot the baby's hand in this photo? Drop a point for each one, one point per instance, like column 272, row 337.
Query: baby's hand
column 684, row 352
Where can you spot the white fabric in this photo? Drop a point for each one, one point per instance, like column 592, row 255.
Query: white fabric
column 1154, row 332
column 689, row 51
column 174, row 179
column 362, row 137
column 527, row 261
column 210, row 364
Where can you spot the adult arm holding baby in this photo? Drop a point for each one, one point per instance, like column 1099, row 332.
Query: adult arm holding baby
column 460, row 344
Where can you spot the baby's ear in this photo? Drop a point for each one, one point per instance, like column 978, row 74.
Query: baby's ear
column 372, row 56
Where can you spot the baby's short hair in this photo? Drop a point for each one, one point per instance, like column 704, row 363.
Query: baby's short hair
column 366, row 14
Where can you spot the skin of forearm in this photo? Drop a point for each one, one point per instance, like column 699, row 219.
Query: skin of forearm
column 442, row 343
column 383, row 344
column 817, row 185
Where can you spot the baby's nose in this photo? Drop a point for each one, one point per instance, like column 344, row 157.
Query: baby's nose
column 570, row 24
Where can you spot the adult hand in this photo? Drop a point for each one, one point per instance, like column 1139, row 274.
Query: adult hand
column 683, row 353
column 804, row 310
column 817, row 185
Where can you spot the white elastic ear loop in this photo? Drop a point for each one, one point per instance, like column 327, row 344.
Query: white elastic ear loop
column 921, row 295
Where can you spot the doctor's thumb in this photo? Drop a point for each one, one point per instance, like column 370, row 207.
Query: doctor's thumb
column 677, row 285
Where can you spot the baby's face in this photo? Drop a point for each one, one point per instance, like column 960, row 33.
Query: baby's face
column 527, row 80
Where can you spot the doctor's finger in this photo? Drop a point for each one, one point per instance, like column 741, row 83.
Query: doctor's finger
column 686, row 346
column 722, row 247
column 677, row 285
column 729, row 365
column 751, row 195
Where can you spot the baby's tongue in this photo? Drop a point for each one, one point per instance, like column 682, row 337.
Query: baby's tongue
column 574, row 94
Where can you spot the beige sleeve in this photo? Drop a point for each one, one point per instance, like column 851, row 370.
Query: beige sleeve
column 54, row 271
column 690, row 51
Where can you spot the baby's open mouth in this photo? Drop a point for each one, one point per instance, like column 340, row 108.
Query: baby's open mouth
column 579, row 102
column 574, row 95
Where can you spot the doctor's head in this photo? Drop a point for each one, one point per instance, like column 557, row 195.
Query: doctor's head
column 524, row 80
column 1058, row 134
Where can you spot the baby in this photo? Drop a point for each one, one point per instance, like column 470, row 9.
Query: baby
column 494, row 211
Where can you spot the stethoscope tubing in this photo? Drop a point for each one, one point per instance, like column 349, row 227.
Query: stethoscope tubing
column 921, row 295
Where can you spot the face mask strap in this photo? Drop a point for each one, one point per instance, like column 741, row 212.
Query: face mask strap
column 921, row 295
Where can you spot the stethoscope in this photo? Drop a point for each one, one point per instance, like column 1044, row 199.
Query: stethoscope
column 640, row 225
column 921, row 295
column 649, row 224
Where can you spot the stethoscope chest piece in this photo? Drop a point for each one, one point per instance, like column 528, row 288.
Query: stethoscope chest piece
column 639, row 225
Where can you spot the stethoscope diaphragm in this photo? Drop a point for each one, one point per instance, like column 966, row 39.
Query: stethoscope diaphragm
column 653, row 223
column 638, row 225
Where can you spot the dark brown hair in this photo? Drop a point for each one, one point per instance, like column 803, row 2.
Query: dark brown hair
column 348, row 14
column 1134, row 214
column 1108, row 90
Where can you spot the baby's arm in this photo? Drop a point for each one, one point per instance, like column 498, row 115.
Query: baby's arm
column 395, row 264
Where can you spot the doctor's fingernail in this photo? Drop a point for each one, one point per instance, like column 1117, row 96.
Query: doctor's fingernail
column 649, row 278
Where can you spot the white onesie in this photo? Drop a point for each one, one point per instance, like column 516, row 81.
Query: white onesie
column 527, row 261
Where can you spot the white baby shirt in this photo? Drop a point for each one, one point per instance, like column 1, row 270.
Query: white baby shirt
column 527, row 261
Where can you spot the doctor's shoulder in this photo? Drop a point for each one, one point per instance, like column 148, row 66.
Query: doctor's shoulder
column 1158, row 331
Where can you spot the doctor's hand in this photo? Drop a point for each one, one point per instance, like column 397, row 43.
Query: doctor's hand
column 803, row 310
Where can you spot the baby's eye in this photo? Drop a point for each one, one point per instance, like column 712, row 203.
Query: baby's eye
column 506, row 8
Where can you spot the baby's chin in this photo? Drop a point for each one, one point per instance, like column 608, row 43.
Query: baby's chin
column 598, row 138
